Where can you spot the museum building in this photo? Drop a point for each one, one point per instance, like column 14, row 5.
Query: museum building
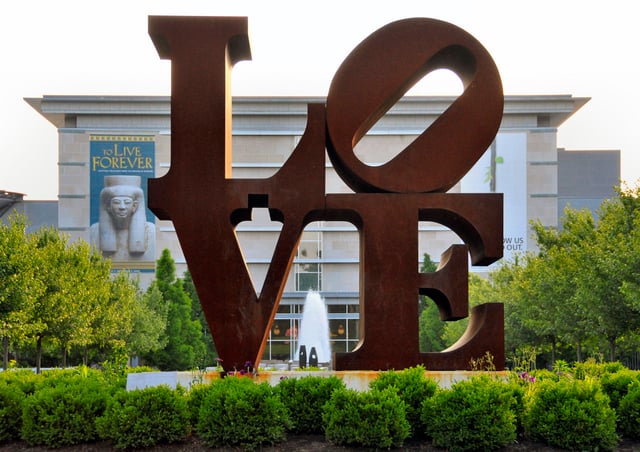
column 109, row 146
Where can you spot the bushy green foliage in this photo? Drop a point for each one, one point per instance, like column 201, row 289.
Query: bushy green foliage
column 238, row 412
column 629, row 412
column 546, row 374
column 476, row 414
column 518, row 388
column 139, row 369
column 616, row 385
column 115, row 367
column 197, row 393
column 63, row 414
column 413, row 387
column 572, row 415
column 24, row 380
column 10, row 411
column 304, row 398
column 72, row 376
column 145, row 417
column 592, row 368
column 375, row 418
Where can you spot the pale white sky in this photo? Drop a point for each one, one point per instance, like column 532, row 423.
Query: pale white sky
column 82, row 47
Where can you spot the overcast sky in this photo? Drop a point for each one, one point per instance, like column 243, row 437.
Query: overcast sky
column 68, row 47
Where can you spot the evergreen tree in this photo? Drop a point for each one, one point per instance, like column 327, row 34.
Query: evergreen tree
column 198, row 314
column 185, row 347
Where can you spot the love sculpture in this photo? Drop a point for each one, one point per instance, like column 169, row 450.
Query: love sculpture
column 206, row 204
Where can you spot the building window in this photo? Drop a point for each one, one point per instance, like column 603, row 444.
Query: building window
column 308, row 269
column 343, row 327
column 282, row 342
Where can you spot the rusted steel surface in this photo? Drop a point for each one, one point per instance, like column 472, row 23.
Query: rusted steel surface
column 205, row 204
column 374, row 77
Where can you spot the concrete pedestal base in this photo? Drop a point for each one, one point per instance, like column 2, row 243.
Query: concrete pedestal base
column 353, row 379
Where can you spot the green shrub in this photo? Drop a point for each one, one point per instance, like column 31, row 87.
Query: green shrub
column 413, row 387
column 145, row 417
column 197, row 393
column 518, row 387
column 546, row 374
column 72, row 376
column 25, row 380
column 476, row 414
column 615, row 385
column 572, row 415
column 375, row 418
column 63, row 415
column 140, row 369
column 592, row 368
column 10, row 411
column 238, row 412
column 629, row 412
column 304, row 398
column 15, row 386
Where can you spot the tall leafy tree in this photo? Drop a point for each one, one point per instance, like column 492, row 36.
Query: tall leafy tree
column 98, row 314
column 480, row 291
column 430, row 327
column 539, row 289
column 19, row 282
column 114, row 313
column 149, row 323
column 582, row 285
column 611, row 270
column 74, row 281
column 51, row 314
column 536, row 305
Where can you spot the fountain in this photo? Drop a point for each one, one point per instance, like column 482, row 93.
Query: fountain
column 314, row 329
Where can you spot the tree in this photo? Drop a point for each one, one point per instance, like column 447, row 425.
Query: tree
column 150, row 323
column 115, row 314
column 542, row 309
column 536, row 309
column 480, row 291
column 98, row 315
column 74, row 281
column 611, row 269
column 63, row 295
column 50, row 313
column 582, row 286
column 198, row 314
column 19, row 284
column 185, row 348
column 431, row 328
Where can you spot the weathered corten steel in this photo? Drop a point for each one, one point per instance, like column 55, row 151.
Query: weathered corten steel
column 205, row 203
column 374, row 77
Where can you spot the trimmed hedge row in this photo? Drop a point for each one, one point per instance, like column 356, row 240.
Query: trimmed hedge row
column 584, row 410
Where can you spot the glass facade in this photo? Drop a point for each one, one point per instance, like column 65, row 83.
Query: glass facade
column 308, row 269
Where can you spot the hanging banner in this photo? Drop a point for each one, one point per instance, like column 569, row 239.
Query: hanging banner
column 121, row 225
